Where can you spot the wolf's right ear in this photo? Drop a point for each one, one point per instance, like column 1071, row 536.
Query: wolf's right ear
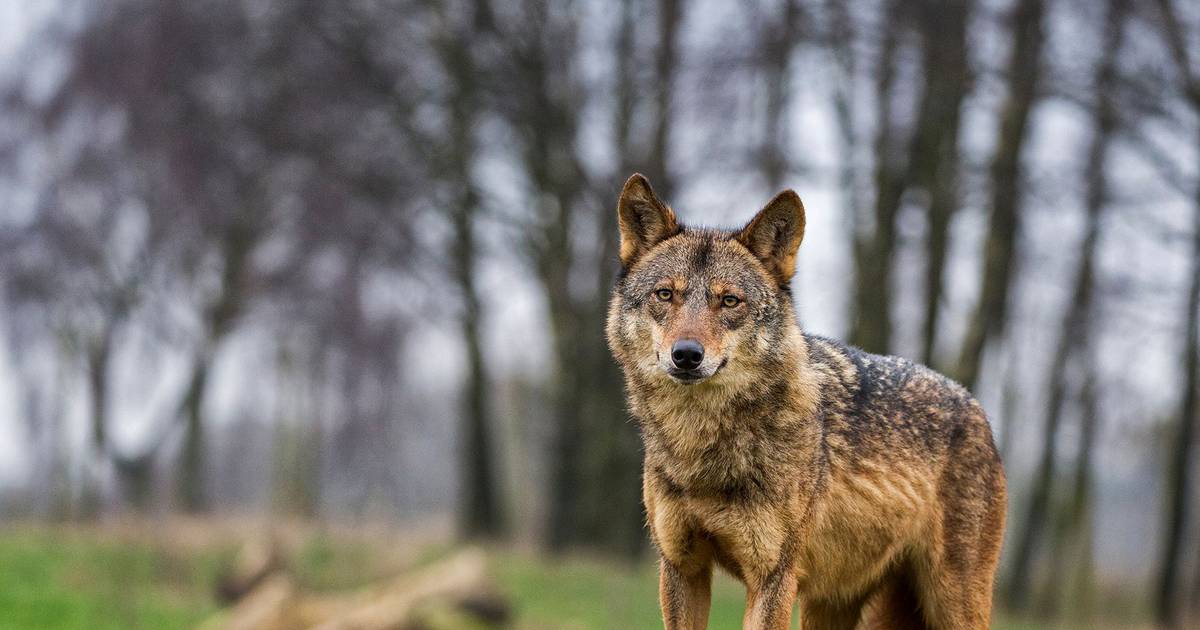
column 643, row 219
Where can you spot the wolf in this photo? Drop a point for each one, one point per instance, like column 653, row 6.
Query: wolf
column 865, row 488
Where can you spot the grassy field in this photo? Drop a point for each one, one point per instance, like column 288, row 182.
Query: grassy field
column 58, row 581
column 69, row 577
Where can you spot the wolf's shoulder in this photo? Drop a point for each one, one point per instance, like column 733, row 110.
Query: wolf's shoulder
column 865, row 394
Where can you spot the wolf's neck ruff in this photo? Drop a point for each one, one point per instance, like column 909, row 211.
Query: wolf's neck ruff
column 723, row 439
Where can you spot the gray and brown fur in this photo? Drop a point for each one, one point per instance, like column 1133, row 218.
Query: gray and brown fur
column 865, row 487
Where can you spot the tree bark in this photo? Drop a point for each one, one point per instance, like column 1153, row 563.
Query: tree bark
column 780, row 40
column 567, row 481
column 935, row 158
column 193, row 491
column 840, row 39
column 1178, row 482
column 666, row 60
column 1079, row 522
column 1024, row 72
column 545, row 116
column 872, row 327
column 1071, row 542
column 1076, row 330
column 480, row 514
column 97, row 378
column 237, row 241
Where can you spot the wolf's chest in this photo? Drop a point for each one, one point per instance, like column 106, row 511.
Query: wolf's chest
column 727, row 463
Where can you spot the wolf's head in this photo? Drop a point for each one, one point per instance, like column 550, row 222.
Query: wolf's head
column 701, row 307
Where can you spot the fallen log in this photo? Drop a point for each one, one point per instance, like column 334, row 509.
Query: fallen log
column 453, row 593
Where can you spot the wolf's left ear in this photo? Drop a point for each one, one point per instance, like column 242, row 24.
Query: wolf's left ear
column 644, row 220
column 774, row 235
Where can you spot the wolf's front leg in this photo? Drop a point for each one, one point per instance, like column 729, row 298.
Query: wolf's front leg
column 684, row 596
column 769, row 600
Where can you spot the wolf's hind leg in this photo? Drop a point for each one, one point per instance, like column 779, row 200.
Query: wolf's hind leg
column 893, row 605
column 955, row 573
column 821, row 615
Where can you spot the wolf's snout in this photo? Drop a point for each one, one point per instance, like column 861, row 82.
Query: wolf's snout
column 687, row 354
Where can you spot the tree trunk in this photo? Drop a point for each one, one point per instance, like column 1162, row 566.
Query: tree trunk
column 935, row 157
column 666, row 60
column 780, row 41
column 545, row 115
column 567, row 483
column 481, row 515
column 238, row 240
column 1024, row 71
column 97, row 379
column 1081, row 521
column 133, row 475
column 193, row 490
column 480, row 509
column 1076, row 327
column 98, row 358
column 1070, row 524
column 1179, row 491
column 1166, row 604
column 57, row 477
column 872, row 327
column 841, row 40
column 596, row 495
column 1010, row 397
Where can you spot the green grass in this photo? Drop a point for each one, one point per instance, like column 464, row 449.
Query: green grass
column 583, row 594
column 55, row 581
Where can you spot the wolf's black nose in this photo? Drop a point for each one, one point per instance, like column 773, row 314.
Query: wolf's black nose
column 687, row 354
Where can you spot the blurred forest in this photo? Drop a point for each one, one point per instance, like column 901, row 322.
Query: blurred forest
column 349, row 261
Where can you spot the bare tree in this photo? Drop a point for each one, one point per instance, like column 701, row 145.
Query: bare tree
column 541, row 102
column 871, row 327
column 214, row 168
column 935, row 159
column 924, row 157
column 779, row 42
column 1166, row 601
column 999, row 256
column 481, row 511
column 1072, row 355
column 668, row 17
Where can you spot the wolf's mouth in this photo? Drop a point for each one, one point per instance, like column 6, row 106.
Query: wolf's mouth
column 686, row 376
column 691, row 377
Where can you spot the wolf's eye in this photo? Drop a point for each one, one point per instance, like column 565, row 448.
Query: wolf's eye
column 664, row 294
column 730, row 301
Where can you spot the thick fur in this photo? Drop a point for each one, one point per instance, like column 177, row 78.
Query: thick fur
column 865, row 487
